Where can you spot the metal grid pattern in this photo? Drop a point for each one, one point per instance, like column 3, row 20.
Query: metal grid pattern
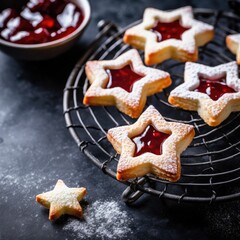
column 210, row 165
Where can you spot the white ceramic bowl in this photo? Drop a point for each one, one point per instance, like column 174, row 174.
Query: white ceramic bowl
column 48, row 50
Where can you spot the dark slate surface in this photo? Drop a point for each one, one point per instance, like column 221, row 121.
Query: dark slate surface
column 36, row 150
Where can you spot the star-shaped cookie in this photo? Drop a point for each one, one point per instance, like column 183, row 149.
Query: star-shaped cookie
column 62, row 200
column 233, row 43
column 181, row 35
column 164, row 164
column 218, row 99
column 128, row 65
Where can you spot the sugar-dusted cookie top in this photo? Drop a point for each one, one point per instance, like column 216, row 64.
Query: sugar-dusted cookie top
column 169, row 34
column 233, row 43
column 123, row 82
column 212, row 91
column 150, row 145
column 62, row 200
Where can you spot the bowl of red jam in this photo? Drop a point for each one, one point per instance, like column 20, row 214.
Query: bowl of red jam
column 41, row 29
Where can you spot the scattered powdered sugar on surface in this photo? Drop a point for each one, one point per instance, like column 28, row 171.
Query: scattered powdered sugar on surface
column 11, row 183
column 102, row 220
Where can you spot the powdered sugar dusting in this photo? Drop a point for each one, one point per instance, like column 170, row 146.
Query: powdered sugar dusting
column 164, row 166
column 63, row 196
column 29, row 185
column 211, row 111
column 102, row 220
column 235, row 37
column 131, row 103
column 142, row 37
column 191, row 79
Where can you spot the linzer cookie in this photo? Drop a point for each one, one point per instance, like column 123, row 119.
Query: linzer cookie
column 212, row 91
column 233, row 43
column 150, row 145
column 169, row 34
column 123, row 82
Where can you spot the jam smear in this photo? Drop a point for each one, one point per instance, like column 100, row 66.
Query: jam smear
column 150, row 140
column 214, row 88
column 40, row 21
column 169, row 30
column 124, row 78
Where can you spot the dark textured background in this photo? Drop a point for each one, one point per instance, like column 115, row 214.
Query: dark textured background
column 36, row 149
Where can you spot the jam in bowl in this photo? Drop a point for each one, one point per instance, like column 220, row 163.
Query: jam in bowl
column 42, row 29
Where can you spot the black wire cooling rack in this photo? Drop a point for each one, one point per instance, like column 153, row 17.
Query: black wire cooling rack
column 210, row 165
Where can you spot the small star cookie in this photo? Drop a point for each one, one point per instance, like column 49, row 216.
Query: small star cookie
column 233, row 43
column 169, row 34
column 62, row 200
column 150, row 145
column 212, row 91
column 123, row 82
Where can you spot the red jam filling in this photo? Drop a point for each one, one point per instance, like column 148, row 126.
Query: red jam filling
column 40, row 21
column 124, row 78
column 169, row 30
column 150, row 140
column 214, row 88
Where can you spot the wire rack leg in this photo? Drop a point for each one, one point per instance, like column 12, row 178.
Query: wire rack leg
column 131, row 194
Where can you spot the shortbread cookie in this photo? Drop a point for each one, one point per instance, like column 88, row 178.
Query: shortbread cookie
column 169, row 34
column 212, row 91
column 233, row 43
column 62, row 200
column 150, row 145
column 124, row 82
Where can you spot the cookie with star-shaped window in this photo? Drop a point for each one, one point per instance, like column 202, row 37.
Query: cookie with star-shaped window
column 169, row 34
column 150, row 145
column 214, row 92
column 123, row 82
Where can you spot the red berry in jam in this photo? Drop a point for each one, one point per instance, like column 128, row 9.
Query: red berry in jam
column 151, row 140
column 47, row 23
column 213, row 88
column 124, row 78
column 169, row 30
column 40, row 21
